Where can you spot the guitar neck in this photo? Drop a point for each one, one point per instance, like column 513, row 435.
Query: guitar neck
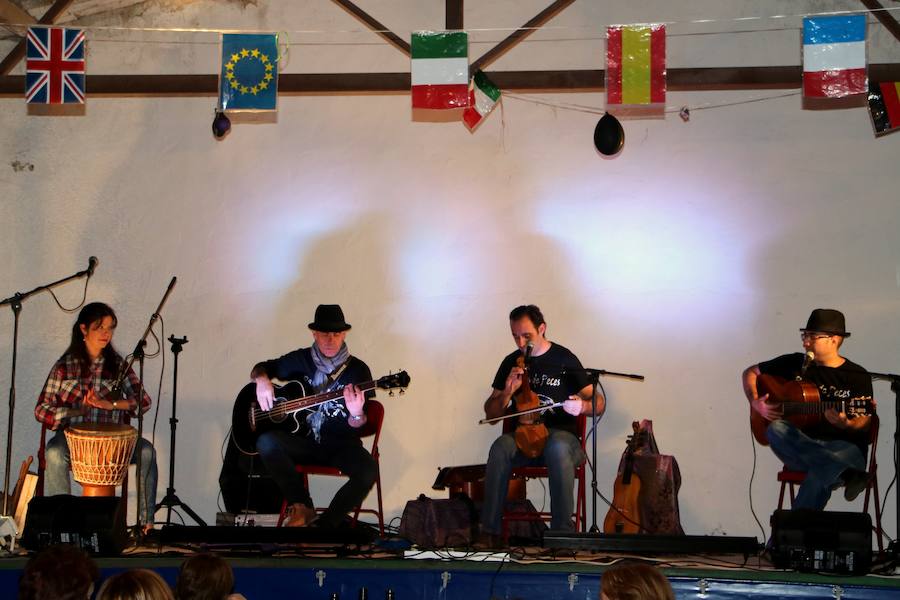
column 322, row 398
column 813, row 408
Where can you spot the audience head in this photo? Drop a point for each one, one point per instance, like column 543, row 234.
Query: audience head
column 635, row 581
column 61, row 572
column 137, row 584
column 204, row 576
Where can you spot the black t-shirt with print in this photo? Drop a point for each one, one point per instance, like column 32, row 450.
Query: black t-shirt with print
column 834, row 383
column 554, row 376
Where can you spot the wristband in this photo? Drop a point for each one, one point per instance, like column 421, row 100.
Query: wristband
column 357, row 417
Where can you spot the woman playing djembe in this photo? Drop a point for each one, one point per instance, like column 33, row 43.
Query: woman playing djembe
column 78, row 392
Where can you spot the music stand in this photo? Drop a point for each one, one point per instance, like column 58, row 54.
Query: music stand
column 171, row 499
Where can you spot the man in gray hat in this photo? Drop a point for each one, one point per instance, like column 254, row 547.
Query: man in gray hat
column 833, row 451
column 329, row 433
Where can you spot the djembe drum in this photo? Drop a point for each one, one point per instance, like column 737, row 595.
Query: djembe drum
column 100, row 454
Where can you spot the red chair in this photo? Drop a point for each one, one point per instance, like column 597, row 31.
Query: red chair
column 580, row 514
column 789, row 478
column 374, row 420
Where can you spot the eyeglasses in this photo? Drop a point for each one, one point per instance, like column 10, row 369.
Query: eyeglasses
column 814, row 336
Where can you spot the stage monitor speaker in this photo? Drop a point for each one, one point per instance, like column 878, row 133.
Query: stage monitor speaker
column 829, row 542
column 94, row 524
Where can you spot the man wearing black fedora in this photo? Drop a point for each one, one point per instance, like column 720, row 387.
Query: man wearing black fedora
column 832, row 452
column 329, row 433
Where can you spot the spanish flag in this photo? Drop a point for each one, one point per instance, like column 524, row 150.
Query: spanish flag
column 635, row 65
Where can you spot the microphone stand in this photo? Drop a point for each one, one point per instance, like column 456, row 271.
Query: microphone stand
column 594, row 378
column 172, row 499
column 15, row 303
column 126, row 366
column 894, row 546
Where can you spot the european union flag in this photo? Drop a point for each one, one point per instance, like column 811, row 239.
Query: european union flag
column 249, row 79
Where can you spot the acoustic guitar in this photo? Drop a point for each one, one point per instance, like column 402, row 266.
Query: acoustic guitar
column 624, row 514
column 249, row 421
column 800, row 404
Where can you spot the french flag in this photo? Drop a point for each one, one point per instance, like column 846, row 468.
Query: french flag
column 834, row 56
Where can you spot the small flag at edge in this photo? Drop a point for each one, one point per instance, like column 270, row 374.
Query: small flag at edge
column 483, row 98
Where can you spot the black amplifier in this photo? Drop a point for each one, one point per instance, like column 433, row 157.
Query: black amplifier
column 94, row 524
column 827, row 542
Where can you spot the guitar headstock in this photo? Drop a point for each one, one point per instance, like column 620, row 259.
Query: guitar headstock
column 637, row 439
column 395, row 380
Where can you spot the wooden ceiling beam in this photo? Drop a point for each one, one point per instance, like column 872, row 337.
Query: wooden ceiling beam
column 886, row 18
column 519, row 34
column 453, row 11
column 678, row 80
column 375, row 25
column 18, row 52
column 11, row 12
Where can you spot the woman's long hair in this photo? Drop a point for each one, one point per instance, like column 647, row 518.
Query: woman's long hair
column 90, row 314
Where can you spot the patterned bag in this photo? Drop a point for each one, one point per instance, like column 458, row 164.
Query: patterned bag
column 660, row 482
column 439, row 523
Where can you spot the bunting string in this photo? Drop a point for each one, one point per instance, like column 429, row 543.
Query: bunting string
column 597, row 31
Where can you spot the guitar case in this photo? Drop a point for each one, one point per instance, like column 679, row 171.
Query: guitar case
column 245, row 484
column 660, row 481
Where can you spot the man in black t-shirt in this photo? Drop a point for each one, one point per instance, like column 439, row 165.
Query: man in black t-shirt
column 832, row 452
column 555, row 376
column 329, row 433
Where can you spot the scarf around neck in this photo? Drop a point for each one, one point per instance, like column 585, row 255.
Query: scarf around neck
column 321, row 381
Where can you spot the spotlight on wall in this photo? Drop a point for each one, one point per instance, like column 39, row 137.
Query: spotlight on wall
column 221, row 125
column 609, row 137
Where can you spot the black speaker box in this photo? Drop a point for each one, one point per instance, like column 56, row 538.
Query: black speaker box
column 96, row 525
column 830, row 542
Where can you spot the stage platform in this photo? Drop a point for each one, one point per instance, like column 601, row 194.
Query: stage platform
column 275, row 568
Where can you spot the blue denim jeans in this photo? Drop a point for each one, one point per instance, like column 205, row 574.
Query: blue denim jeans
column 823, row 461
column 56, row 475
column 561, row 455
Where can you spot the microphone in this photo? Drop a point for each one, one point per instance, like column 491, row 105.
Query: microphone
column 529, row 348
column 807, row 360
column 92, row 264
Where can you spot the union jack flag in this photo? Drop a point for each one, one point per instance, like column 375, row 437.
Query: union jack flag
column 54, row 66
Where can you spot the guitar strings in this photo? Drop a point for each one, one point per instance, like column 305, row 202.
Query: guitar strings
column 287, row 407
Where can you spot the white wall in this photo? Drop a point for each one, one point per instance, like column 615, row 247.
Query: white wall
column 699, row 250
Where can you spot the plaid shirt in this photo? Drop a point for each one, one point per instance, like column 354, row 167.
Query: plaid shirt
column 60, row 403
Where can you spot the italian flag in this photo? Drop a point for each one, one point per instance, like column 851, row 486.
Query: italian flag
column 483, row 97
column 636, row 64
column 440, row 69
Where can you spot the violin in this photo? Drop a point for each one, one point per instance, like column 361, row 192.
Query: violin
column 531, row 434
column 624, row 514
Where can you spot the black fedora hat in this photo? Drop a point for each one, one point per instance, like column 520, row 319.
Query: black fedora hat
column 329, row 318
column 827, row 320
